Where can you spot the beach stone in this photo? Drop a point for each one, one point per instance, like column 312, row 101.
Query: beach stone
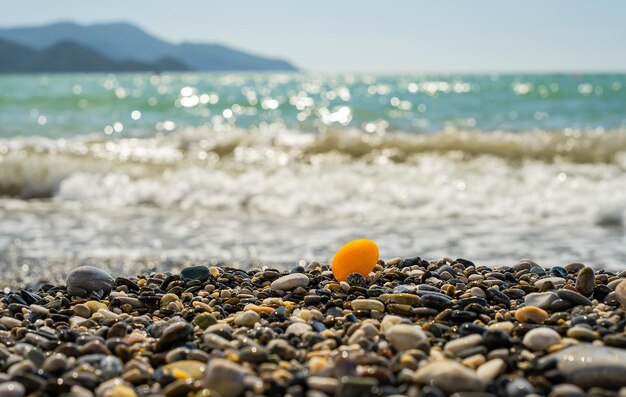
column 457, row 345
column 204, row 320
column 620, row 293
column 367, row 304
column 566, row 390
column 289, row 282
column 491, row 369
column 200, row 273
column 190, row 368
column 405, row 336
column 298, row 329
column 449, row 376
column 573, row 297
column 322, row 383
column 10, row 322
column 247, row 319
column 574, row 267
column 403, row 299
column 588, row 365
column 519, row 387
column 12, row 389
column 81, row 310
column 557, row 281
column 225, row 377
column 538, row 339
column 585, row 281
column 84, row 281
column 531, row 313
column 174, row 334
column 542, row 300
column 582, row 333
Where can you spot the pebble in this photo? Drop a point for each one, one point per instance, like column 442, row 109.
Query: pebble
column 367, row 304
column 174, row 334
column 405, row 336
column 200, row 273
column 457, row 345
column 356, row 386
column 185, row 369
column 84, row 281
column 247, row 319
column 204, row 320
column 531, row 313
column 357, row 256
column 81, row 310
column 491, row 369
column 573, row 297
column 289, row 282
column 620, row 293
column 224, row 377
column 542, row 300
column 556, row 281
column 585, row 281
column 449, row 376
column 567, row 390
column 593, row 366
column 542, row 338
column 12, row 389
column 324, row 384
column 519, row 387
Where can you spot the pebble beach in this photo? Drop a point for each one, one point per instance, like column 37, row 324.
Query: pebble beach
column 411, row 327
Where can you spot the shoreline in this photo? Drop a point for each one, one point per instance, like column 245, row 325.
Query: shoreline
column 410, row 328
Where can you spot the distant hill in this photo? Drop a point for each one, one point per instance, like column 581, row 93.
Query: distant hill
column 120, row 41
column 69, row 56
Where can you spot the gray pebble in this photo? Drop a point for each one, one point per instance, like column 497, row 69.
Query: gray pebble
column 87, row 280
column 289, row 282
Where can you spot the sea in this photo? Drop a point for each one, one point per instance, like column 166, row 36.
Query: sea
column 284, row 168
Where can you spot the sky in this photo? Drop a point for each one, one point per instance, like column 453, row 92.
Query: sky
column 375, row 36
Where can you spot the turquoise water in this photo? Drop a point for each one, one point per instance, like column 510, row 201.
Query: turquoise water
column 281, row 167
column 70, row 105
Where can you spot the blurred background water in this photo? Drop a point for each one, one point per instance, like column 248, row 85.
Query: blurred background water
column 288, row 166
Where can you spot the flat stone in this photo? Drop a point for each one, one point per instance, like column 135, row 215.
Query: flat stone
column 224, row 377
column 573, row 297
column 322, row 383
column 356, row 386
column 491, row 369
column 405, row 336
column 449, row 376
column 84, row 281
column 531, row 314
column 298, row 329
column 542, row 338
column 567, row 390
column 457, row 345
column 367, row 304
column 588, row 366
column 81, row 310
column 585, row 281
column 542, row 300
column 289, row 282
column 204, row 320
column 174, row 334
column 403, row 299
column 557, row 281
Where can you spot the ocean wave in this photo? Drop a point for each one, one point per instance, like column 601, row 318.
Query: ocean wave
column 342, row 174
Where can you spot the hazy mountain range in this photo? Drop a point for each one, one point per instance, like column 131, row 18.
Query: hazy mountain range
column 70, row 47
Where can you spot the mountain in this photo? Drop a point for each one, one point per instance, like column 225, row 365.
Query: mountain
column 120, row 41
column 67, row 56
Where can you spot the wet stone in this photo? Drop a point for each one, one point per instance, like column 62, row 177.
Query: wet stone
column 585, row 281
column 174, row 334
column 542, row 300
column 367, row 304
column 289, row 282
column 574, row 297
column 531, row 314
column 85, row 281
column 588, row 366
column 200, row 273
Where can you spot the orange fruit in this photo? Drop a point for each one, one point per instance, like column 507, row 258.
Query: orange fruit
column 358, row 256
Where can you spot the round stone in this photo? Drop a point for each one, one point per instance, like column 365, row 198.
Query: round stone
column 358, row 256
column 247, row 319
column 204, row 320
column 531, row 314
column 189, row 368
column 541, row 338
column 85, row 281
column 289, row 282
column 199, row 272
column 405, row 336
